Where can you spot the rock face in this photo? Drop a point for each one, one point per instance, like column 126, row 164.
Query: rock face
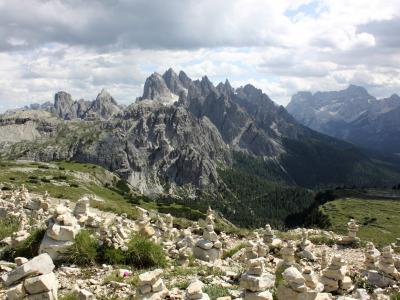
column 33, row 279
column 178, row 134
column 351, row 114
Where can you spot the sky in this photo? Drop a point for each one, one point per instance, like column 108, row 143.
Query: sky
column 279, row 46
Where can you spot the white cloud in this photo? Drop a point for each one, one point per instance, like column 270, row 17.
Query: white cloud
column 279, row 46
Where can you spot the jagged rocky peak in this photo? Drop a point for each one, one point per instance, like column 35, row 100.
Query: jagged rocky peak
column 105, row 105
column 173, row 82
column 155, row 88
column 225, row 88
column 63, row 105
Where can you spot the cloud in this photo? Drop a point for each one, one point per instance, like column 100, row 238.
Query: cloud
column 279, row 46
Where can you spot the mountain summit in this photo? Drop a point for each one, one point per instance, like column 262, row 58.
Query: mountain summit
column 351, row 114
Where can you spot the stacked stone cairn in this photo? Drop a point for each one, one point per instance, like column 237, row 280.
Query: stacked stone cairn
column 324, row 259
column 185, row 239
column 61, row 231
column 306, row 247
column 143, row 224
column 209, row 248
column 32, row 279
column 334, row 276
column 83, row 214
column 262, row 248
column 297, row 287
column 351, row 237
column 195, row 291
column 312, row 280
column 151, row 286
column 116, row 234
column 287, row 253
column 250, row 251
column 256, row 280
column 371, row 257
column 387, row 263
column 268, row 235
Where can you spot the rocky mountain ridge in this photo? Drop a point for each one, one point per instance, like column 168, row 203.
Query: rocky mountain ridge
column 352, row 115
column 182, row 132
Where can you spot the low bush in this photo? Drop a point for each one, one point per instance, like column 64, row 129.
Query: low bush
column 143, row 253
column 322, row 240
column 84, row 251
column 216, row 291
column 395, row 296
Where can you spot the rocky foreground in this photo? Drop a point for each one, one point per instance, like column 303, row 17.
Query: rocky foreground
column 200, row 263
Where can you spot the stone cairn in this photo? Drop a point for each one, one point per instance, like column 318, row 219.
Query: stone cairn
column 287, row 253
column 209, row 248
column 262, row 248
column 324, row 259
column 151, row 286
column 387, row 263
column 185, row 239
column 268, row 235
column 312, row 280
column 351, row 237
column 256, row 280
column 306, row 247
column 83, row 214
column 61, row 231
column 371, row 257
column 143, row 224
column 195, row 291
column 116, row 235
column 250, row 251
column 33, row 279
column 297, row 287
column 334, row 276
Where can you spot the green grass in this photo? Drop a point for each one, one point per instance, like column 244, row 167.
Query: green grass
column 378, row 219
column 8, row 225
column 233, row 251
column 216, row 291
column 84, row 251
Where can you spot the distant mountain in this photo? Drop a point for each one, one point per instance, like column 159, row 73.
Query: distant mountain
column 189, row 139
column 352, row 115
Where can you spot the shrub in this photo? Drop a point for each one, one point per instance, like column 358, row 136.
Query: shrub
column 8, row 225
column 216, row 291
column 143, row 253
column 112, row 256
column 28, row 248
column 322, row 240
column 84, row 251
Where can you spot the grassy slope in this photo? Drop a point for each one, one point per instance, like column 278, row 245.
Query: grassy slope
column 378, row 219
column 72, row 180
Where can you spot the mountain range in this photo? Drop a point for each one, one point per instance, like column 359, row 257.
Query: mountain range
column 191, row 140
column 352, row 115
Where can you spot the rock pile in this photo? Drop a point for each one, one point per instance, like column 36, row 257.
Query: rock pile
column 151, row 286
column 312, row 280
column 143, row 223
column 351, row 237
column 60, row 234
column 371, row 257
column 386, row 263
column 256, row 281
column 195, row 291
column 287, row 253
column 334, row 276
column 209, row 248
column 296, row 287
column 306, row 247
column 32, row 279
column 115, row 233
column 83, row 214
